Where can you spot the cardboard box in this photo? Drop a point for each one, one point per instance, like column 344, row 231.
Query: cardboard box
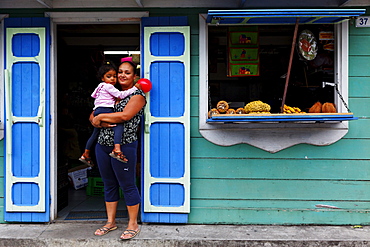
column 78, row 176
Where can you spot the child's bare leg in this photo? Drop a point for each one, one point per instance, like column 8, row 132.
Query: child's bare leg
column 117, row 153
column 117, row 148
column 86, row 154
column 85, row 158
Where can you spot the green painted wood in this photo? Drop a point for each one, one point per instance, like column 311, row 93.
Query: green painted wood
column 2, row 181
column 194, row 128
column 359, row 129
column 357, row 106
column 194, row 48
column 2, row 188
column 343, row 149
column 280, row 169
column 241, row 189
column 194, row 20
column 279, row 217
column 2, row 148
column 358, row 65
column 194, row 61
column 194, row 109
column 1, row 167
column 2, row 209
column 359, row 86
column 359, row 45
column 359, row 31
column 194, row 86
column 353, row 206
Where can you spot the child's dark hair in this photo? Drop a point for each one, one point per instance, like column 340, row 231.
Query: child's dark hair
column 107, row 66
column 132, row 64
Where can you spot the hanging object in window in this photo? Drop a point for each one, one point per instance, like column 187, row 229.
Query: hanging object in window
column 307, row 45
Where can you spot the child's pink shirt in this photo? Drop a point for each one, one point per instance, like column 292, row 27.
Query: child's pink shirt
column 105, row 95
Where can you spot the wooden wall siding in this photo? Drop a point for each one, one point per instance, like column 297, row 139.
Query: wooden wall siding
column 359, row 87
column 358, row 106
column 345, row 149
column 359, row 129
column 357, row 63
column 242, row 184
column 2, row 181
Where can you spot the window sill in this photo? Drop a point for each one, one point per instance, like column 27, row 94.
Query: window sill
column 274, row 133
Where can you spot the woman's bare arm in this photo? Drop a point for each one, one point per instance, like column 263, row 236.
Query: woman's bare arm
column 131, row 109
column 91, row 116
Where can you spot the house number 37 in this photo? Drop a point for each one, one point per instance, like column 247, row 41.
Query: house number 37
column 363, row 21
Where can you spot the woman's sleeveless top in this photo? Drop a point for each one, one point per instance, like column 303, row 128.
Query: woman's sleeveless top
column 131, row 126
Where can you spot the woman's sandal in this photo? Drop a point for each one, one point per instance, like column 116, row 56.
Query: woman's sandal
column 105, row 230
column 86, row 160
column 133, row 234
column 118, row 156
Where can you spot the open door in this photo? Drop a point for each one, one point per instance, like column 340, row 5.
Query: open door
column 27, row 196
column 166, row 166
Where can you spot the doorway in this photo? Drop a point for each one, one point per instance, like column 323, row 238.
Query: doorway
column 81, row 49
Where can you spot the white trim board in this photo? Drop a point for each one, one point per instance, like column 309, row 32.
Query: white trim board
column 96, row 17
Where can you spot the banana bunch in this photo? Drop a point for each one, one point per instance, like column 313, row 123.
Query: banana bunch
column 257, row 107
column 289, row 109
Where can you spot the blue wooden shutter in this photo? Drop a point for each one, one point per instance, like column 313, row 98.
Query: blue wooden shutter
column 27, row 196
column 166, row 169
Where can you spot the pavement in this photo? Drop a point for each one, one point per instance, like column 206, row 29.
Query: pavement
column 80, row 233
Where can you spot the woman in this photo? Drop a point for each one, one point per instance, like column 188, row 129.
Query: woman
column 114, row 173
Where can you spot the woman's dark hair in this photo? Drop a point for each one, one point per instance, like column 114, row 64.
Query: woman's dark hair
column 132, row 64
column 107, row 66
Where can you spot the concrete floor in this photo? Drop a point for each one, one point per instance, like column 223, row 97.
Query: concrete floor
column 79, row 201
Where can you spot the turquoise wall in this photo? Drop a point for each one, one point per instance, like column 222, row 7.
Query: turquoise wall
column 242, row 184
column 2, row 181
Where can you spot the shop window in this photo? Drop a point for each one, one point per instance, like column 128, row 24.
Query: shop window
column 242, row 64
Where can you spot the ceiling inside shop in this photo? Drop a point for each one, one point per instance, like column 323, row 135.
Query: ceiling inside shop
column 125, row 35
column 54, row 4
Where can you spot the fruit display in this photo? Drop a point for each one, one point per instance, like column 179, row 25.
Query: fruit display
column 230, row 111
column 240, row 111
column 328, row 108
column 316, row 108
column 212, row 112
column 259, row 107
column 323, row 108
column 289, row 109
column 222, row 106
column 256, row 107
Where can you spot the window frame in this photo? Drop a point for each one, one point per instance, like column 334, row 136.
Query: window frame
column 274, row 136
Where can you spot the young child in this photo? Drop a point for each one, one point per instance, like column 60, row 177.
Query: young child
column 105, row 95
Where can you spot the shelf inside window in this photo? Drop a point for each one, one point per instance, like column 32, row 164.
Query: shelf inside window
column 295, row 117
